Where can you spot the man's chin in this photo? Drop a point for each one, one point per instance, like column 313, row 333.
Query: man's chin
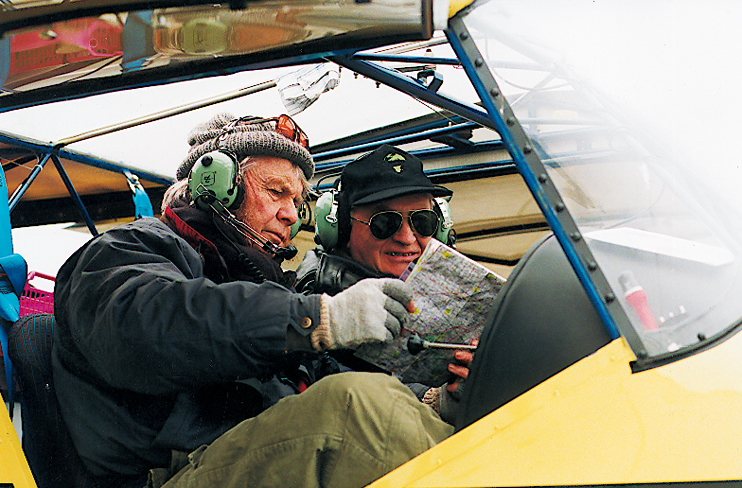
column 395, row 270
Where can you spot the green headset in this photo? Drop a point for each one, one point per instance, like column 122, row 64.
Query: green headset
column 216, row 176
column 326, row 231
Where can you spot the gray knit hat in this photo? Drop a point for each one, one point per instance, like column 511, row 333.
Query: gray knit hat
column 244, row 136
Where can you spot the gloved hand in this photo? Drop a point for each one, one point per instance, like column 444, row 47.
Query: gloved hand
column 372, row 310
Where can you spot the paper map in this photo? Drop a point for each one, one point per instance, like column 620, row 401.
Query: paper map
column 453, row 296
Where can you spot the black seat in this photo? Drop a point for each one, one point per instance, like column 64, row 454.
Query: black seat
column 542, row 323
column 46, row 441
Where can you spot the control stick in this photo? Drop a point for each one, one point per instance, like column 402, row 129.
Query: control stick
column 415, row 345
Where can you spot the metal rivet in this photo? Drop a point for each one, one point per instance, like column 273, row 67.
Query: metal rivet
column 510, row 121
column 592, row 265
column 641, row 355
column 575, row 236
column 495, row 92
column 463, row 36
column 478, row 62
column 305, row 323
column 542, row 178
column 559, row 207
column 609, row 297
column 527, row 149
column 701, row 336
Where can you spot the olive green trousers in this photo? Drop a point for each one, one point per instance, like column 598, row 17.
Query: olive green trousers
column 344, row 431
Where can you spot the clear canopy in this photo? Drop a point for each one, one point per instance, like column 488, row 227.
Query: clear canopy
column 630, row 107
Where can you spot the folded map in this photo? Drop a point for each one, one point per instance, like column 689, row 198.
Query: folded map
column 453, row 296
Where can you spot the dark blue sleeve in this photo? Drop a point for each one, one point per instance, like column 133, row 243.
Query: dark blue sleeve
column 134, row 304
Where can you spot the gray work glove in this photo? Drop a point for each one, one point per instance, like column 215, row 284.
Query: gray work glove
column 372, row 310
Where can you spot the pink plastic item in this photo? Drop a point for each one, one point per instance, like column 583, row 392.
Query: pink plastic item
column 34, row 300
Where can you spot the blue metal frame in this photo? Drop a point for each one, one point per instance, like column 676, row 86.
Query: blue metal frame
column 21, row 190
column 412, row 87
column 54, row 152
column 400, row 58
column 403, row 138
column 75, row 196
column 42, row 148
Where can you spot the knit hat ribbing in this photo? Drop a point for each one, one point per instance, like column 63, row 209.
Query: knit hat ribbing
column 243, row 138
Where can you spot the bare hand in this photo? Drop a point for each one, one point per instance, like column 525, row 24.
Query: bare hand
column 461, row 368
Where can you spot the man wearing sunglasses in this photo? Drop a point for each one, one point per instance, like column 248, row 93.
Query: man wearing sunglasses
column 385, row 214
column 177, row 337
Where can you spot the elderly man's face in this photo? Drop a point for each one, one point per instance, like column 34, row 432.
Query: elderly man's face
column 273, row 192
column 392, row 255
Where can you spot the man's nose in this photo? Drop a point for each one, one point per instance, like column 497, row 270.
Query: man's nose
column 405, row 234
column 288, row 213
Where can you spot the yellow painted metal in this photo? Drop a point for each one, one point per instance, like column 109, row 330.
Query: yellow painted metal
column 455, row 6
column 597, row 423
column 14, row 469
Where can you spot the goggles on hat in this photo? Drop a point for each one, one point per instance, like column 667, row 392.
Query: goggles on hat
column 384, row 225
column 284, row 125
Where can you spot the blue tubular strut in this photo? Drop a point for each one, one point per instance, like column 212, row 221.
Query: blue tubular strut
column 408, row 85
column 541, row 186
column 54, row 153
column 75, row 196
column 45, row 148
column 400, row 58
column 21, row 190
column 426, row 154
column 400, row 139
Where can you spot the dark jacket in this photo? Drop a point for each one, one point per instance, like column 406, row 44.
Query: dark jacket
column 328, row 272
column 158, row 348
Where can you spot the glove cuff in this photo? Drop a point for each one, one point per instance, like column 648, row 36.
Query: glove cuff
column 321, row 337
column 432, row 398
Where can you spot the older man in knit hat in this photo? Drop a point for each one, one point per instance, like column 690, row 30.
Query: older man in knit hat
column 176, row 337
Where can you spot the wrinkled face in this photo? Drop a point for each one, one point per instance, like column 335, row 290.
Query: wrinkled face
column 392, row 255
column 273, row 192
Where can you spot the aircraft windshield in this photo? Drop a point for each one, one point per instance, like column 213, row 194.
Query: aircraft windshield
column 113, row 45
column 623, row 120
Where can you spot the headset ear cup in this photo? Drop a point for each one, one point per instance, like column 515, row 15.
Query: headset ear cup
column 215, row 176
column 445, row 232
column 326, row 220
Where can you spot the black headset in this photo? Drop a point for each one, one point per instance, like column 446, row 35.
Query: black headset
column 327, row 229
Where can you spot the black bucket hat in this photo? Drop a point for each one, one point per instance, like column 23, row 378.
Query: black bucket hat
column 387, row 172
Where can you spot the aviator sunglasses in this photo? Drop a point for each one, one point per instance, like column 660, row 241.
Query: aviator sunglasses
column 384, row 225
